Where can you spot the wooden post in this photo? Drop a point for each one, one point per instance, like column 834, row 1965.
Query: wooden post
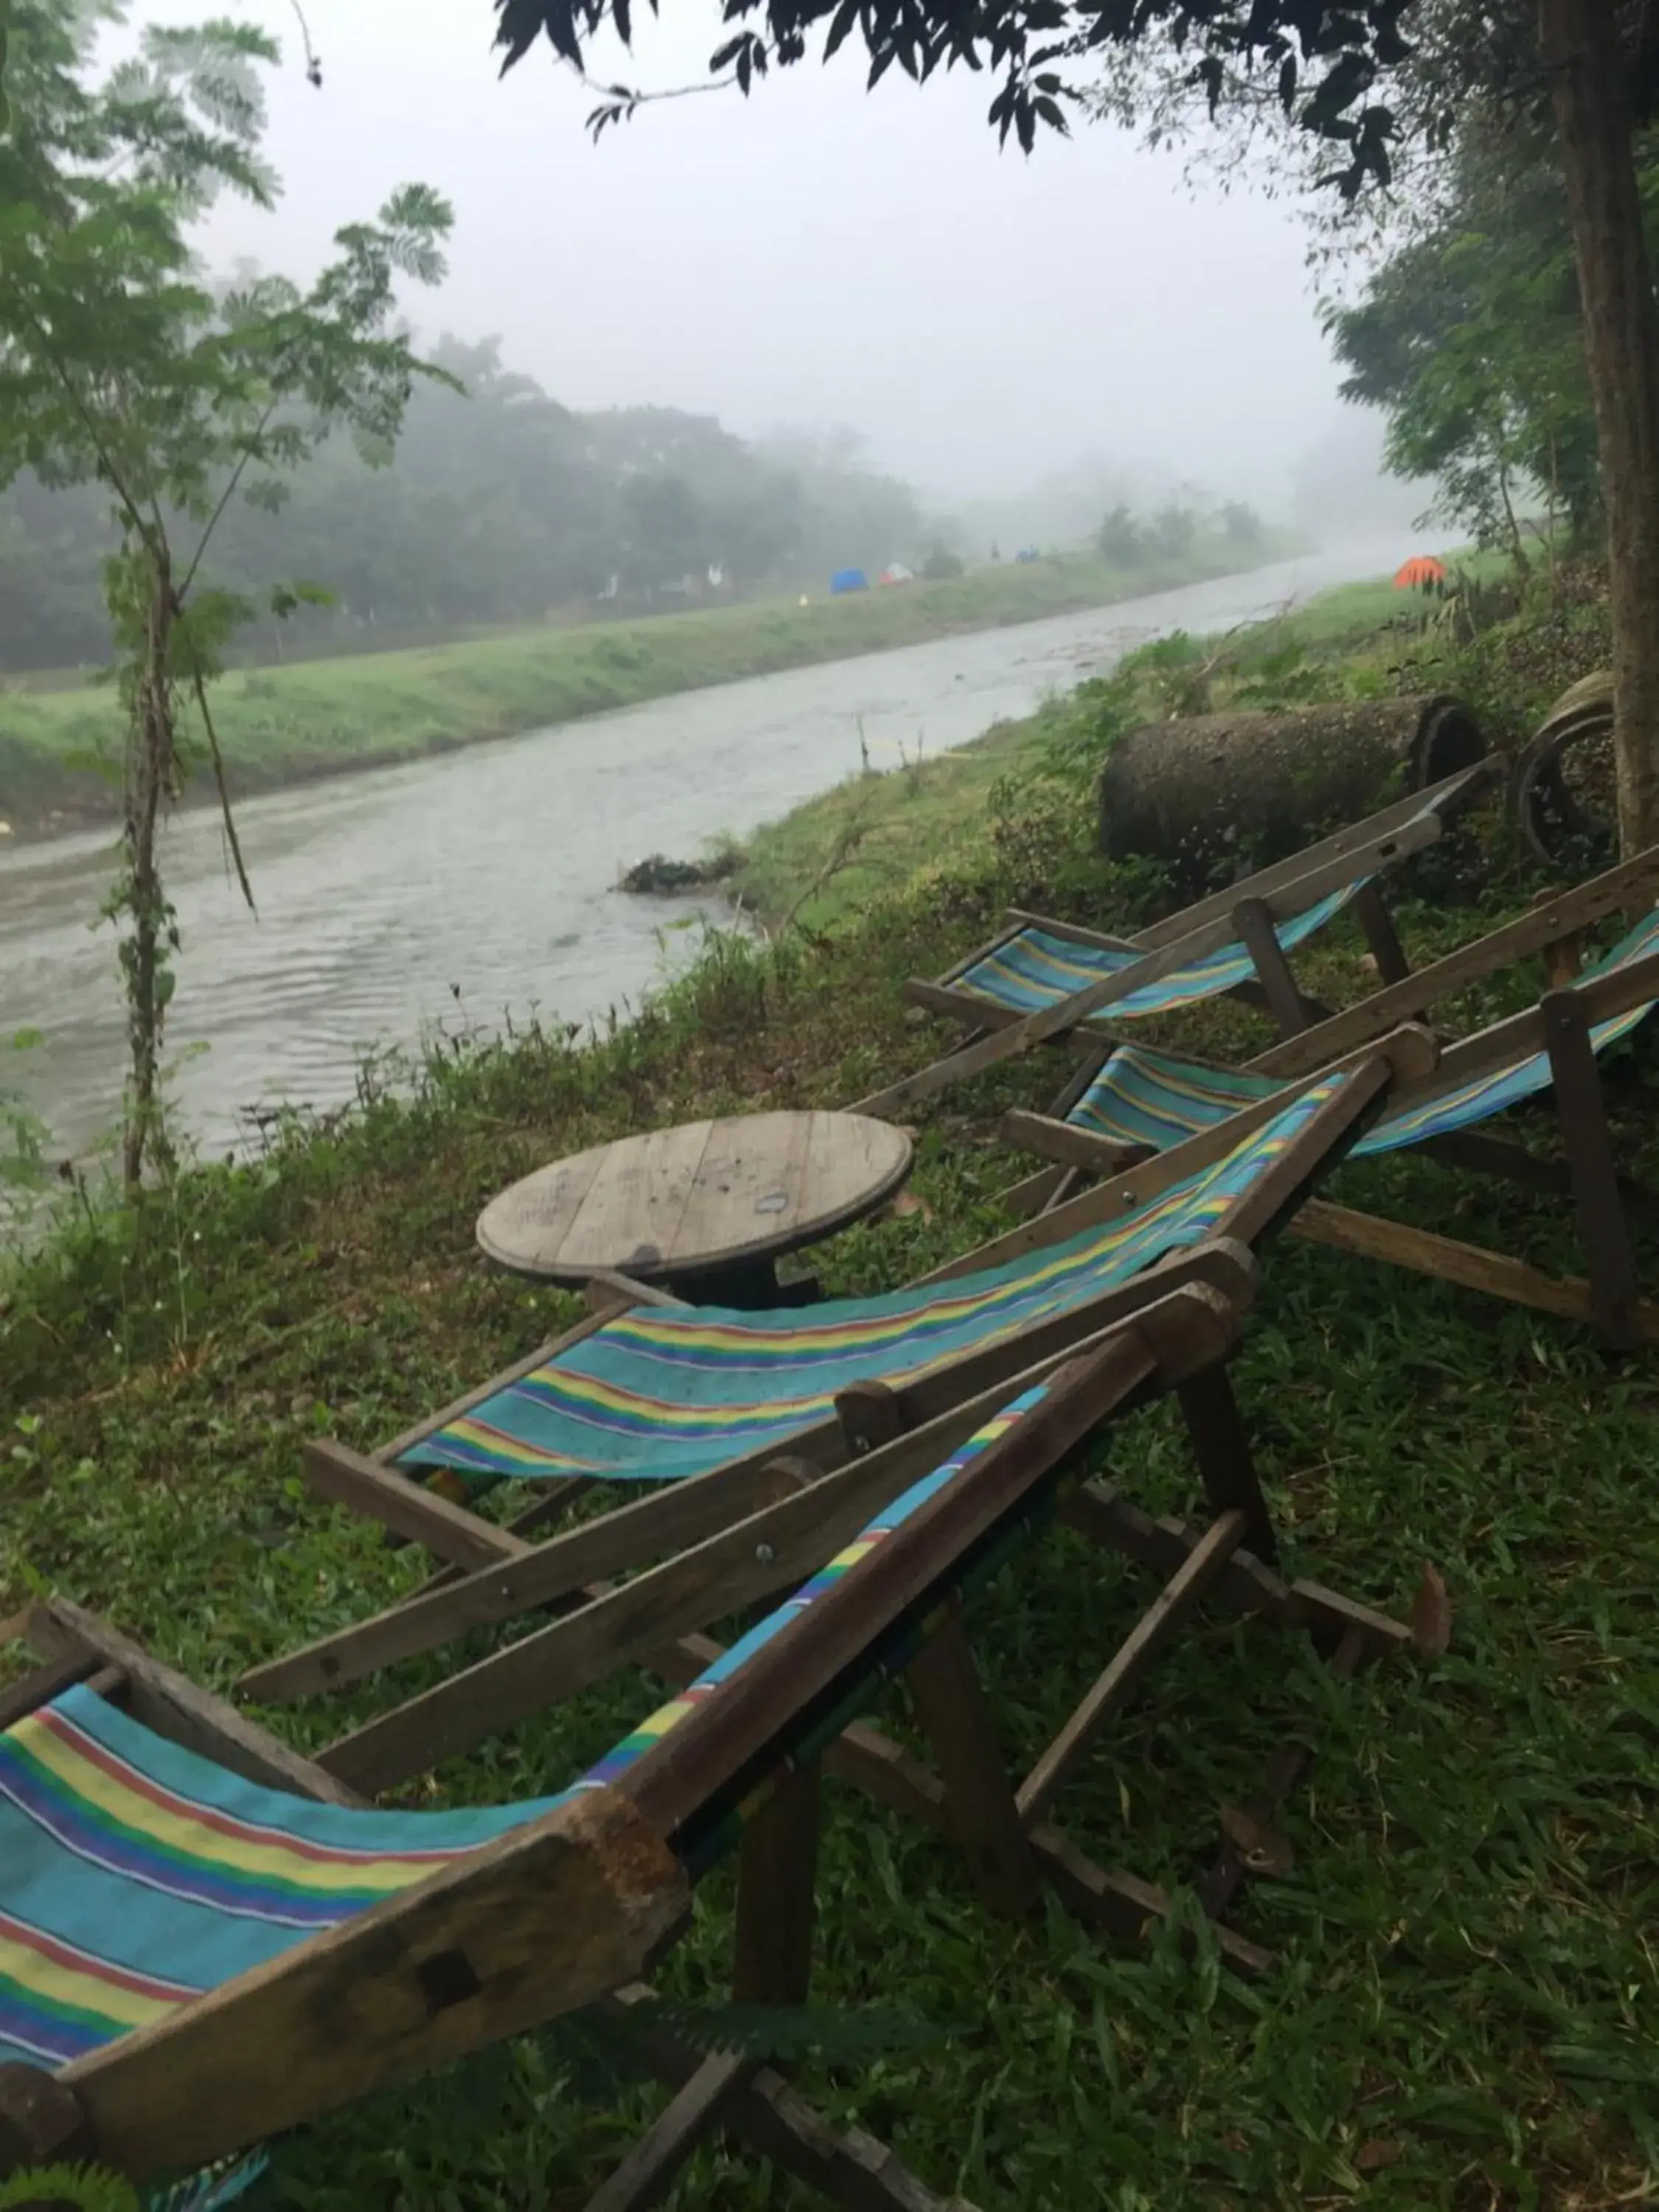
column 956, row 1715
column 1254, row 925
column 1614, row 1297
column 1372, row 912
column 777, row 1870
column 1221, row 1444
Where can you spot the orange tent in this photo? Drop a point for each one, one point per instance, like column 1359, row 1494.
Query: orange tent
column 1419, row 573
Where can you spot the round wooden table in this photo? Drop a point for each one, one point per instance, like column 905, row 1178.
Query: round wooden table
column 706, row 1208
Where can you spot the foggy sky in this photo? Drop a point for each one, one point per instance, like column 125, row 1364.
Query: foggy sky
column 814, row 253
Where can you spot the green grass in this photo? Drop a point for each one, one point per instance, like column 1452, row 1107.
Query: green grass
column 1466, row 2011
column 282, row 725
column 1467, row 2008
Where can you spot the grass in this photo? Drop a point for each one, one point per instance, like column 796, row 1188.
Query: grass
column 1467, row 2015
column 282, row 725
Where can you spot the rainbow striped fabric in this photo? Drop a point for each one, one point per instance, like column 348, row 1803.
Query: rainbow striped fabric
column 1146, row 1097
column 1033, row 968
column 663, row 1392
column 134, row 1874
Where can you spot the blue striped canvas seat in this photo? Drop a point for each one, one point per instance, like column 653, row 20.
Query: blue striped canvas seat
column 135, row 1874
column 1157, row 1098
column 663, row 1392
column 1035, row 968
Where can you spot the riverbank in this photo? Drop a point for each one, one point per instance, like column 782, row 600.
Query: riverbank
column 288, row 724
column 825, row 860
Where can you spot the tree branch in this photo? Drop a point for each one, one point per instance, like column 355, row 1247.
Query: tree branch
column 217, row 758
column 225, row 498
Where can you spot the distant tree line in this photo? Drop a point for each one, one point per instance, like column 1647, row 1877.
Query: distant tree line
column 1131, row 541
column 501, row 506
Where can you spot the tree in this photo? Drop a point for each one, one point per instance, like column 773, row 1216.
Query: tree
column 1470, row 338
column 1337, row 69
column 1120, row 539
column 1241, row 524
column 120, row 368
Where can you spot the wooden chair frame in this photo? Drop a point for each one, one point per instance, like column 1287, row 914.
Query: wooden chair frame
column 579, row 1900
column 582, row 1899
column 1608, row 1296
column 759, row 1522
column 1245, row 914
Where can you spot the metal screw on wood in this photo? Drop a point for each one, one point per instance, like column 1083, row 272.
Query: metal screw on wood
column 765, row 1554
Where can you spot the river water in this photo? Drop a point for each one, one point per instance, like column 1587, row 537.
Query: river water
column 465, row 888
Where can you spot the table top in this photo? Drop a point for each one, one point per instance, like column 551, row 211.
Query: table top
column 706, row 1194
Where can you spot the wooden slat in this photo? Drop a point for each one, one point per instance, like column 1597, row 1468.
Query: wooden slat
column 546, row 1917
column 1104, row 1897
column 1116, row 1684
column 649, row 2171
column 1243, row 1583
column 1615, row 1294
column 1221, row 1445
column 42, row 1684
column 1370, row 911
column 777, row 1875
column 176, row 1708
column 1252, row 923
column 1631, row 884
column 1471, row 1266
column 348, row 1478
column 957, row 1719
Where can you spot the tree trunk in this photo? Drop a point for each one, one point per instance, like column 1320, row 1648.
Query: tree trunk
column 1579, row 44
column 150, row 779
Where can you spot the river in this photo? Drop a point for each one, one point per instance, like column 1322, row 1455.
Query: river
column 478, row 884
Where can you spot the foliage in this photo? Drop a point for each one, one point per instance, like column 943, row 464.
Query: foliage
column 1470, row 339
column 67, row 2189
column 350, row 709
column 118, row 369
column 501, row 507
column 1322, row 61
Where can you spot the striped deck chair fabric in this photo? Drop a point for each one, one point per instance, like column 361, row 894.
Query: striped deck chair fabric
column 1146, row 1097
column 662, row 1392
column 134, row 1874
column 1034, row 968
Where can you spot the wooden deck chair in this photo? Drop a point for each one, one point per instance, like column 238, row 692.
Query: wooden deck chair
column 862, row 1393
column 1140, row 1100
column 1037, row 981
column 1006, row 1832
column 206, row 1940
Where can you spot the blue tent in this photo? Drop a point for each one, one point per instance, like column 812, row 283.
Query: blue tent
column 849, row 580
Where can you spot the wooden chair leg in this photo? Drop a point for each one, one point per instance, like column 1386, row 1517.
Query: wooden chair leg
column 1112, row 1689
column 1614, row 1297
column 1372, row 912
column 648, row 2173
column 777, row 1875
column 985, row 1822
column 1254, row 927
column 1221, row 1444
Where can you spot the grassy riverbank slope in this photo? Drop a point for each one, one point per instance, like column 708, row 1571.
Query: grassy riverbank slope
column 285, row 725
column 1466, row 2009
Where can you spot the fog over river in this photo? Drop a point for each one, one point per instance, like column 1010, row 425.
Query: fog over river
column 488, row 872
